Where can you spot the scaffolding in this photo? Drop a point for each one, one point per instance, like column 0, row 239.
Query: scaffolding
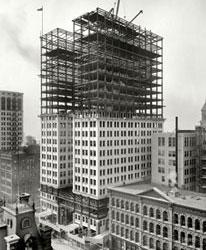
column 57, row 79
column 119, row 66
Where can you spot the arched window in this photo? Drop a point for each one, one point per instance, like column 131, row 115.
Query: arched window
column 197, row 242
column 122, row 204
column 3, row 103
column 189, row 222
column 182, row 237
column 8, row 103
column 176, row 218
column 189, row 240
column 127, row 219
column 176, row 235
column 127, row 205
column 132, row 221
column 197, row 224
column 26, row 223
column 151, row 212
column 165, row 246
column 122, row 218
column 136, row 237
column 122, row 232
column 132, row 207
column 144, row 210
column 144, row 240
column 117, row 230
column 113, row 215
column 151, row 227
column 158, row 230
column 158, row 247
column 165, row 216
column 158, row 215
column 151, row 243
column 175, row 248
column 165, row 232
column 126, row 233
column 131, row 235
column 144, row 225
column 182, row 220
column 204, row 226
column 136, row 222
column 117, row 202
column 137, row 208
column 117, row 216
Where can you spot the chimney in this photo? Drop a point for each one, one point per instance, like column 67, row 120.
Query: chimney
column 176, row 148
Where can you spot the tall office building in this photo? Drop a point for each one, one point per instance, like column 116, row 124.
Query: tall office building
column 11, row 120
column 120, row 105
column 108, row 73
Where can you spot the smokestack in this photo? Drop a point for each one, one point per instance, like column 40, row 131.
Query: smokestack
column 176, row 148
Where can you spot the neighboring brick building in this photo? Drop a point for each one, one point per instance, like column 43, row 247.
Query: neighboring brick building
column 20, row 173
column 147, row 216
column 11, row 120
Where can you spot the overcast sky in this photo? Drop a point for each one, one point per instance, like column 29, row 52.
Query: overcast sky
column 182, row 24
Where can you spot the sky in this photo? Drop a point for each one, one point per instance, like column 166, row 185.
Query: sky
column 182, row 24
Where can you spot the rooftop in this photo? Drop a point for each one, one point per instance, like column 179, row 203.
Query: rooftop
column 167, row 194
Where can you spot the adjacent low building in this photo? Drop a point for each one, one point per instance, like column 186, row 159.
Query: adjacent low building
column 148, row 216
column 20, row 173
column 171, row 165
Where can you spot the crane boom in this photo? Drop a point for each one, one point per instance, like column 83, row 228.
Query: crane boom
column 140, row 12
column 117, row 10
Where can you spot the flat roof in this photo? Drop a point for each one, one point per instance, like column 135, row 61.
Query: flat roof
column 184, row 198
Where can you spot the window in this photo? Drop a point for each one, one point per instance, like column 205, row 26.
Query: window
column 158, row 230
column 25, row 223
column 189, row 240
column 165, row 216
column 136, row 237
column 176, row 218
column 144, row 225
column 144, row 240
column 158, row 215
column 182, row 220
column 151, row 212
column 197, row 224
column 176, row 235
column 151, row 227
column 158, row 245
column 151, row 243
column 204, row 226
column 189, row 222
column 182, row 237
column 144, row 210
column 136, row 222
column 165, row 232
column 165, row 246
column 197, row 242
